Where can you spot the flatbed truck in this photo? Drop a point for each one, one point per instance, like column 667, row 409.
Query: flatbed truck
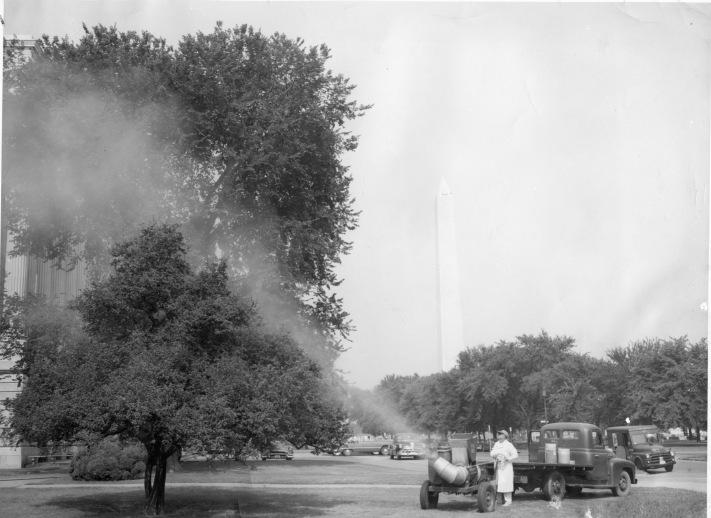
column 564, row 459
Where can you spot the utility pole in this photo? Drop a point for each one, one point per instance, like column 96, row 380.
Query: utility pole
column 545, row 408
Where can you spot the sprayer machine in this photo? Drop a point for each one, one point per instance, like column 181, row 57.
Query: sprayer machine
column 453, row 470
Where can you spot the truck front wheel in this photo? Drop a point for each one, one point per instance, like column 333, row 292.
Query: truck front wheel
column 623, row 485
column 554, row 488
column 639, row 464
column 486, row 497
column 669, row 467
column 428, row 500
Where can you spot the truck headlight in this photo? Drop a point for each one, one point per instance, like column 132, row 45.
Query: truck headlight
column 647, row 455
column 673, row 453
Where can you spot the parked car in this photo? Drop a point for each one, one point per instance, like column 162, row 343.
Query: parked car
column 279, row 450
column 407, row 445
column 364, row 443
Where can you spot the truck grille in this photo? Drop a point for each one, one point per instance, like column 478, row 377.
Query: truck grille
column 655, row 458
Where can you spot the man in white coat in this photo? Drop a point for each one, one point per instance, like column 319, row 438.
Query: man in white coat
column 503, row 452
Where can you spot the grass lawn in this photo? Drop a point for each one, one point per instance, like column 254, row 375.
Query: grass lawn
column 381, row 499
column 378, row 501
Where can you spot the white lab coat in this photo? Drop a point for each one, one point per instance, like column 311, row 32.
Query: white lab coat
column 505, row 473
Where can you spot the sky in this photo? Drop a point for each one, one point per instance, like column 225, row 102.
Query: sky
column 575, row 139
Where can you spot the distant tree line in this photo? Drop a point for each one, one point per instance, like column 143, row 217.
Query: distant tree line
column 540, row 378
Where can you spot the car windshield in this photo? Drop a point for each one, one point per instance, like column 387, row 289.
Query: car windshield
column 407, row 437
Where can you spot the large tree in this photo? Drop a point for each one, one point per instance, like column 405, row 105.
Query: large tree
column 237, row 135
column 171, row 358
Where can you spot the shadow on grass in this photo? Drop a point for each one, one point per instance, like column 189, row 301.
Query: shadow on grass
column 180, row 502
column 195, row 502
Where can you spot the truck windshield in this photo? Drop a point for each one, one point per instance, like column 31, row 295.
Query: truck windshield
column 645, row 438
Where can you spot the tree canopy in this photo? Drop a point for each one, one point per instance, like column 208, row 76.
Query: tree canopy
column 235, row 135
column 169, row 357
column 666, row 381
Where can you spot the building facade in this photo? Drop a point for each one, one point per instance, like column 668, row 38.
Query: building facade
column 25, row 275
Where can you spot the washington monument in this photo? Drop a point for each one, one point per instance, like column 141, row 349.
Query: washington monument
column 451, row 339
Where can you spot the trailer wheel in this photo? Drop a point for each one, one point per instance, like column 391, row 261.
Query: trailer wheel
column 428, row 500
column 384, row 450
column 623, row 485
column 486, row 497
column 669, row 468
column 554, row 488
column 346, row 453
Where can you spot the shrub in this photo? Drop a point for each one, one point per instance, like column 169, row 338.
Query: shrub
column 109, row 459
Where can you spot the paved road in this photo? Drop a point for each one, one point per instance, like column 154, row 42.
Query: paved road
column 25, row 480
column 686, row 475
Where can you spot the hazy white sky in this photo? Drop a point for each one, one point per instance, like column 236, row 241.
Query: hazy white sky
column 575, row 138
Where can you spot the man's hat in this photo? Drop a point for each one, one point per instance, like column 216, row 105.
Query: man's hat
column 504, row 433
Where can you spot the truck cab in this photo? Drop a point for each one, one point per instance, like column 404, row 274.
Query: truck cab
column 642, row 445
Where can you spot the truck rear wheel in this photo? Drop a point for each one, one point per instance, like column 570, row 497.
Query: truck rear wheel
column 384, row 450
column 623, row 485
column 554, row 488
column 486, row 497
column 346, row 452
column 428, row 500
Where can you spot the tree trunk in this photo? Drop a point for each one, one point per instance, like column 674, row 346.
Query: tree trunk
column 174, row 462
column 155, row 500
column 147, row 485
column 155, row 496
